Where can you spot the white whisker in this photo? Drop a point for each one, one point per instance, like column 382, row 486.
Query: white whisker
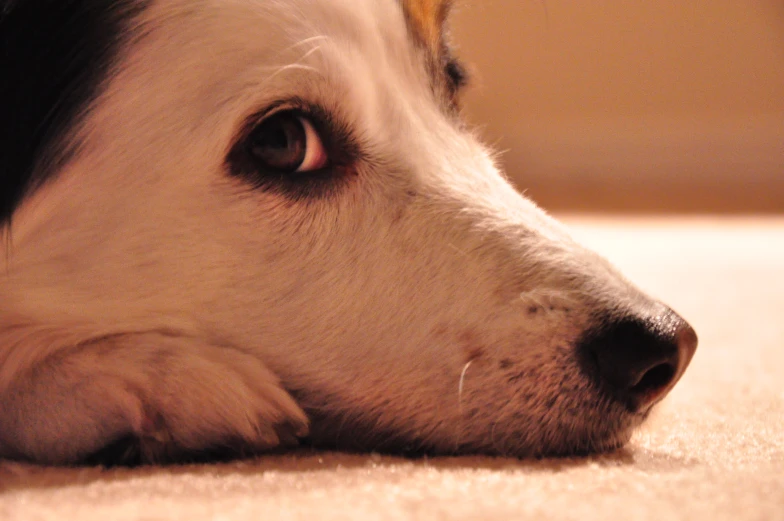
column 311, row 51
column 460, row 387
column 306, row 41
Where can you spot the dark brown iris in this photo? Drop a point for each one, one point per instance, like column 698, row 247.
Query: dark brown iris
column 280, row 142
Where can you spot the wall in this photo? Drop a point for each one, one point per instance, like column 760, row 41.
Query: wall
column 644, row 106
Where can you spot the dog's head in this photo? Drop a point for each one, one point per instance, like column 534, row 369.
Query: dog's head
column 292, row 179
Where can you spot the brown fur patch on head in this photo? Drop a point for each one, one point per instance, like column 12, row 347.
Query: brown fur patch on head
column 427, row 23
column 426, row 19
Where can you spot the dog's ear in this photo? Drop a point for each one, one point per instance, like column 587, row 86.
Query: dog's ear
column 426, row 19
column 54, row 56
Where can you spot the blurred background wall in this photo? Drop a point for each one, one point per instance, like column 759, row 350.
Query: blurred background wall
column 647, row 106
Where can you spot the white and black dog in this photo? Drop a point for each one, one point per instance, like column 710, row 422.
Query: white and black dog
column 244, row 224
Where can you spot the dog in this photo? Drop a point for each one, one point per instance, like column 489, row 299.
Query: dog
column 246, row 225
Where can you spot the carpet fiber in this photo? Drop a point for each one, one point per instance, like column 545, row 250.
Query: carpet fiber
column 714, row 450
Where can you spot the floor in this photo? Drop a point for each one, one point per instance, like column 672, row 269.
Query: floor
column 714, row 450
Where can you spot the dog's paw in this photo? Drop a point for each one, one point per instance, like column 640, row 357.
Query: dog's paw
column 147, row 398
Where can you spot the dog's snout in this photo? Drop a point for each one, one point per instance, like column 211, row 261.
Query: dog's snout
column 641, row 360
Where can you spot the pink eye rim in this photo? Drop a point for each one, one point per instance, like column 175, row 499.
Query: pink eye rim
column 316, row 157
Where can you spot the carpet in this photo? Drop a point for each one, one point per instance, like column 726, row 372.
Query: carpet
column 714, row 450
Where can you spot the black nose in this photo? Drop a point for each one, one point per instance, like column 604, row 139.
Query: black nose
column 640, row 359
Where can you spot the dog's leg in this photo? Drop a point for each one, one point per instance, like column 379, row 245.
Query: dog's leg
column 172, row 395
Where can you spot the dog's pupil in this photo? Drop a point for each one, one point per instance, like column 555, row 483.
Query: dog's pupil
column 280, row 142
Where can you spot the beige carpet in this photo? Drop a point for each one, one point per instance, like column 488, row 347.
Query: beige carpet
column 714, row 451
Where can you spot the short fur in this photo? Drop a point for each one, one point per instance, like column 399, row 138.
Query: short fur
column 151, row 292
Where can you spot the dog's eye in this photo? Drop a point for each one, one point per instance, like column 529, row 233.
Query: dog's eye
column 301, row 151
column 456, row 74
column 287, row 142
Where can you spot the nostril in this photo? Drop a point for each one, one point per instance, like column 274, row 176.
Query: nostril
column 656, row 378
column 639, row 359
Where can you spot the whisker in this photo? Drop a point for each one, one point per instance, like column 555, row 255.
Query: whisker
column 320, row 37
column 460, row 387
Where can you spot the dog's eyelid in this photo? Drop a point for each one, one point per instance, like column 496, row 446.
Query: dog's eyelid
column 295, row 105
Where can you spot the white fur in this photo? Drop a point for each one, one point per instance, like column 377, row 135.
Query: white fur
column 147, row 292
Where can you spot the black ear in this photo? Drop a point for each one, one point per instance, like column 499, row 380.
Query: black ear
column 54, row 55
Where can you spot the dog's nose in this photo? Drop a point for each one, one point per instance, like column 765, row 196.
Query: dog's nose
column 641, row 360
